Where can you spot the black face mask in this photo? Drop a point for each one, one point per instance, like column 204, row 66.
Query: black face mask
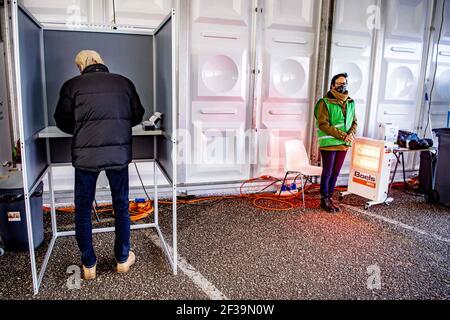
column 342, row 89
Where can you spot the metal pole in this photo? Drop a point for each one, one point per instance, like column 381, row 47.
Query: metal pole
column 155, row 190
column 15, row 29
column 322, row 66
column 52, row 200
column 175, row 34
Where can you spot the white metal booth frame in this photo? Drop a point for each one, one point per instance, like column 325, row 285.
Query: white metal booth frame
column 163, row 141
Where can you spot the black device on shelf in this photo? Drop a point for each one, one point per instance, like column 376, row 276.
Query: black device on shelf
column 152, row 123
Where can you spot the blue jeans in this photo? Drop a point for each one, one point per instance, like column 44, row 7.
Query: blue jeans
column 85, row 185
column 332, row 162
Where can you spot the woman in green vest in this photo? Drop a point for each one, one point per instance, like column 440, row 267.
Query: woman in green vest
column 336, row 127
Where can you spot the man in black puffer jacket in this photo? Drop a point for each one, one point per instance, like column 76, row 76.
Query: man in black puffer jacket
column 100, row 108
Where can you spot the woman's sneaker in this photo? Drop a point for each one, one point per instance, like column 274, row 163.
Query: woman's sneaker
column 125, row 267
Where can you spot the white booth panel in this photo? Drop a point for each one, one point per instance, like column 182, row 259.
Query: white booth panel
column 406, row 18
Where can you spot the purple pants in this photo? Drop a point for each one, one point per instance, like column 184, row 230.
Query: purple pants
column 332, row 162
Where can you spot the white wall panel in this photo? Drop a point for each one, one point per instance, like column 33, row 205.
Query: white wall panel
column 401, row 81
column 400, row 96
column 440, row 98
column 351, row 53
column 406, row 18
column 442, row 85
column 351, row 50
column 351, row 16
column 220, row 41
column 287, row 14
column 289, row 77
column 446, row 26
column 401, row 64
column 400, row 114
column 221, row 12
column 220, row 75
column 288, row 42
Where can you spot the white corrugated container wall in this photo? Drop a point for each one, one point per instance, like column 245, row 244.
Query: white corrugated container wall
column 217, row 114
column 354, row 26
column 250, row 70
column 244, row 70
column 381, row 44
column 439, row 71
column 288, row 48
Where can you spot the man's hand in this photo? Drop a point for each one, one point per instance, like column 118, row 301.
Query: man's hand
column 349, row 138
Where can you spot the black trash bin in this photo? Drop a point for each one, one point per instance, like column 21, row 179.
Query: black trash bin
column 426, row 171
column 442, row 173
column 13, row 220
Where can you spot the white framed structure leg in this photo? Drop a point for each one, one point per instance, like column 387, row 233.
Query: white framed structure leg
column 171, row 254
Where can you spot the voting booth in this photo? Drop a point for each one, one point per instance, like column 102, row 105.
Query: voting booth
column 44, row 60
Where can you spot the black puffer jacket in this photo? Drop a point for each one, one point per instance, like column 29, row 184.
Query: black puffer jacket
column 99, row 108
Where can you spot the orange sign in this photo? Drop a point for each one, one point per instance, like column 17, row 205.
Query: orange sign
column 365, row 182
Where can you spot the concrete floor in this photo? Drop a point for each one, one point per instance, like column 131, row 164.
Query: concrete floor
column 249, row 253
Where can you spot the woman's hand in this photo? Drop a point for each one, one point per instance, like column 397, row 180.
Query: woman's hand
column 349, row 138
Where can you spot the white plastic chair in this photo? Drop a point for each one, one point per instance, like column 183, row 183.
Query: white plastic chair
column 297, row 161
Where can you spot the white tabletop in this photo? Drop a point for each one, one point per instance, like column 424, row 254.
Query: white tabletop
column 399, row 149
column 54, row 132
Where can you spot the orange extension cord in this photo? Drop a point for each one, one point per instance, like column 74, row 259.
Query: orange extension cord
column 261, row 199
column 138, row 211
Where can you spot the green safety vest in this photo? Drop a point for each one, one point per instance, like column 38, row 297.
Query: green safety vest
column 337, row 120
